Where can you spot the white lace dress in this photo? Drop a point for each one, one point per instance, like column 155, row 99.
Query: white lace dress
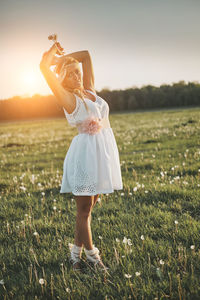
column 92, row 164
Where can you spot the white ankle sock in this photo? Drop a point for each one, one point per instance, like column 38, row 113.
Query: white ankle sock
column 76, row 249
column 93, row 254
column 89, row 252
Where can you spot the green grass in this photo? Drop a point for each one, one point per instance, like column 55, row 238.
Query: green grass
column 159, row 155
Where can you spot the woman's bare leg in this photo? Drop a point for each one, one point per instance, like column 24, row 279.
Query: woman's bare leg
column 94, row 202
column 83, row 234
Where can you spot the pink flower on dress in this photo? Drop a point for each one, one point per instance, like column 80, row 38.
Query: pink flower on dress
column 91, row 125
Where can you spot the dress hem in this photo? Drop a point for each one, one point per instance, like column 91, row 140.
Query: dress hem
column 93, row 194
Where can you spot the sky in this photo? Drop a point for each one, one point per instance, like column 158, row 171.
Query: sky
column 132, row 43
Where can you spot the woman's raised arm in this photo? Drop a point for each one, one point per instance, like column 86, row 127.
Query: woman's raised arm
column 64, row 97
column 84, row 57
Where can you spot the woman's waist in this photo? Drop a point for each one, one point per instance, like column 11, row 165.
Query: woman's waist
column 93, row 125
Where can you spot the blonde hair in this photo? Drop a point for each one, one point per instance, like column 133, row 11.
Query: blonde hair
column 63, row 65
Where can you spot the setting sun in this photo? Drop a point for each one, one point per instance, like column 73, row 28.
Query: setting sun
column 30, row 81
column 29, row 78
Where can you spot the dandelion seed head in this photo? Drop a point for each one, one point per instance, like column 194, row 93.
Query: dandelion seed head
column 129, row 242
column 125, row 240
column 162, row 262
column 128, row 275
column 41, row 281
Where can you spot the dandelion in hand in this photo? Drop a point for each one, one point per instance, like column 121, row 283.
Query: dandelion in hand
column 53, row 37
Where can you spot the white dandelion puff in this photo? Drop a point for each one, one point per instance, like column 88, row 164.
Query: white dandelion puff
column 128, row 275
column 129, row 242
column 125, row 240
column 162, row 262
column 41, row 281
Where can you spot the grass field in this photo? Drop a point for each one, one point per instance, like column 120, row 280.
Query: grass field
column 148, row 233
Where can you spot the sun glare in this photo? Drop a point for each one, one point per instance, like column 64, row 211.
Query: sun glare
column 30, row 78
column 29, row 82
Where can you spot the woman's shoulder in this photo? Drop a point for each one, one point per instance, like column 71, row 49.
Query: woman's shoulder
column 72, row 116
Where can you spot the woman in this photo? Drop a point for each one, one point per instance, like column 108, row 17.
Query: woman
column 91, row 166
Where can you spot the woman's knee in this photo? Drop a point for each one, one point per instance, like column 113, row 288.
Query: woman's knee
column 84, row 205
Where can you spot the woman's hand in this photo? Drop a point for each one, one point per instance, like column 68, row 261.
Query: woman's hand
column 59, row 48
column 49, row 57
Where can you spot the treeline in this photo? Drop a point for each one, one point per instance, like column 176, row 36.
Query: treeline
column 147, row 97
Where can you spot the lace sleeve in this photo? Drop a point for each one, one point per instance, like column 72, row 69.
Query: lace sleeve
column 71, row 117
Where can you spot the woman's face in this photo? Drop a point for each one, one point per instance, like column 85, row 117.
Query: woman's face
column 73, row 77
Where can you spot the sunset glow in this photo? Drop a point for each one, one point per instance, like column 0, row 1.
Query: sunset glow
column 30, row 78
column 162, row 49
column 30, row 81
